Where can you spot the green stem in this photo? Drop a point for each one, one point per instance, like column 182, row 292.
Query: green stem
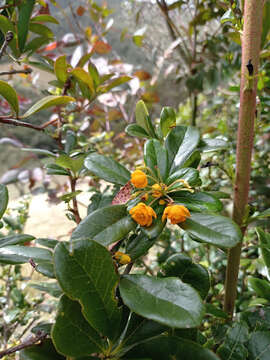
column 251, row 40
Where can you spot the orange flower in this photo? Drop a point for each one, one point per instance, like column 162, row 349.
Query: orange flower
column 139, row 179
column 122, row 258
column 176, row 213
column 142, row 214
column 158, row 190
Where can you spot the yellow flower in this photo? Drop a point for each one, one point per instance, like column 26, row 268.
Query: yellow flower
column 139, row 179
column 176, row 213
column 122, row 258
column 162, row 202
column 142, row 214
column 158, row 190
column 145, row 197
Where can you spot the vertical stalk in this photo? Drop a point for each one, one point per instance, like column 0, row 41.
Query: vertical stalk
column 253, row 13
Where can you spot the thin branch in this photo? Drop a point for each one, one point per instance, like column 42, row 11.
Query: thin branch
column 14, row 122
column 75, row 209
column 27, row 343
column 13, row 72
column 9, row 36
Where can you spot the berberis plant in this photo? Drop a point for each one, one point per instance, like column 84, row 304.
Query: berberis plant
column 108, row 307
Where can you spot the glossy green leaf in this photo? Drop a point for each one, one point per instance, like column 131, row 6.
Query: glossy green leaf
column 259, row 345
column 5, row 26
column 51, row 288
column 234, row 345
column 143, row 119
column 15, row 239
column 114, row 83
column 41, row 29
column 3, row 200
column 87, row 275
column 264, row 240
column 54, row 169
column 192, row 176
column 105, row 225
column 25, row 11
column 46, row 269
column 167, row 120
column 139, row 330
column 261, row 287
column 182, row 266
column 173, row 348
column 49, row 243
column 36, row 43
column 60, row 68
column 181, row 143
column 208, row 145
column 136, row 130
column 47, row 102
column 197, row 201
column 72, row 335
column 10, row 95
column 156, row 157
column 193, row 161
column 74, row 164
column 156, row 299
column 16, row 254
column 45, row 18
column 212, row 229
column 85, row 77
column 39, row 152
column 106, row 168
column 93, row 71
column 43, row 351
column 257, row 318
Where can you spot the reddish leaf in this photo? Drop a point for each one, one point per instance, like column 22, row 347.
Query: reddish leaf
column 123, row 195
column 150, row 97
column 142, row 75
column 80, row 11
column 101, row 47
column 50, row 47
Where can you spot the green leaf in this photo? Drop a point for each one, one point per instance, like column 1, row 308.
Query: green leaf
column 54, row 169
column 139, row 330
column 40, row 152
column 25, row 11
column 46, row 102
column 136, row 130
column 41, row 29
column 212, row 229
column 49, row 243
column 93, row 71
column 156, row 157
column 74, row 164
column 10, row 95
column 70, row 141
column 51, row 288
column 3, row 200
column 43, row 351
column 143, row 119
column 181, row 143
column 5, row 26
column 173, row 348
column 33, row 45
column 15, row 239
column 167, row 119
column 106, row 168
column 257, row 318
column 197, row 201
column 234, row 347
column 259, row 345
column 264, row 240
column 88, row 276
column 15, row 254
column 192, row 176
column 208, row 145
column 105, row 225
column 227, row 17
column 46, row 269
column 261, row 287
column 156, row 299
column 60, row 68
column 45, row 18
column 71, row 334
column 115, row 82
column 193, row 161
column 182, row 266
column 83, row 76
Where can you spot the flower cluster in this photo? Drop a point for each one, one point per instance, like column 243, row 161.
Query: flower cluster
column 144, row 214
